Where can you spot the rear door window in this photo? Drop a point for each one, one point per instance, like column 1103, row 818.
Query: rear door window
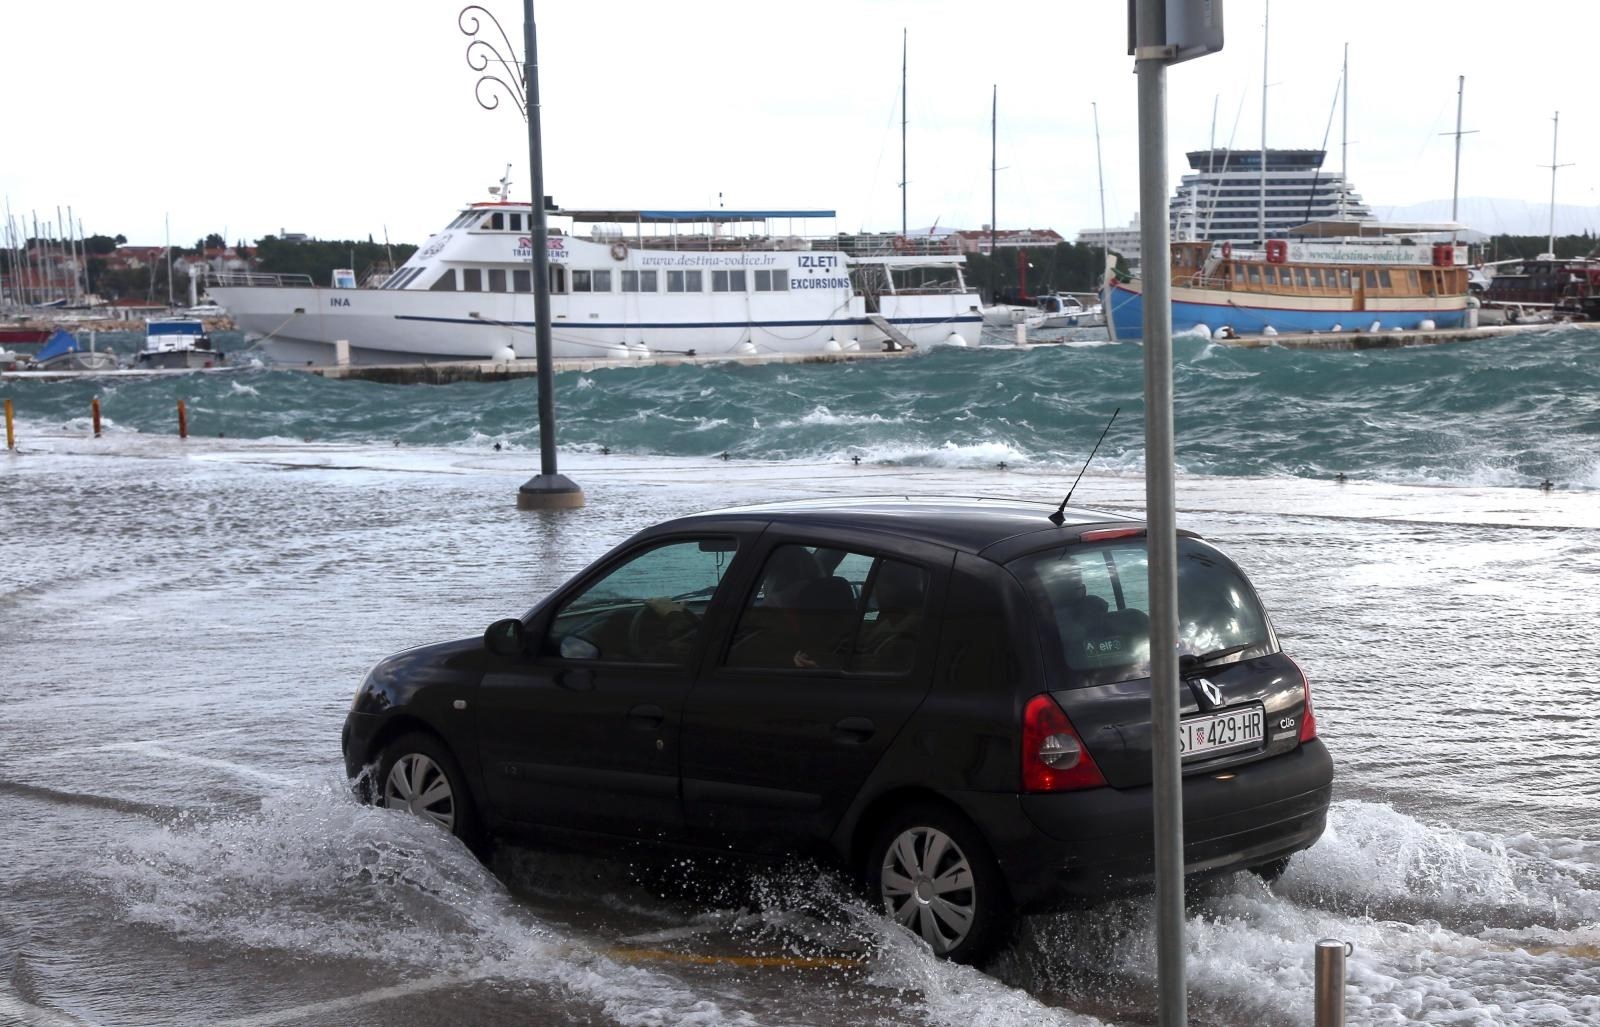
column 824, row 609
column 1094, row 603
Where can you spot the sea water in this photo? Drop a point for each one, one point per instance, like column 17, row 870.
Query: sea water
column 183, row 623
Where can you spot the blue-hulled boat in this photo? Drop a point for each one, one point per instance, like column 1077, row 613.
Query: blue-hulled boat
column 1329, row 276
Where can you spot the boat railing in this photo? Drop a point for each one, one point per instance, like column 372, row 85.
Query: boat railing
column 258, row 279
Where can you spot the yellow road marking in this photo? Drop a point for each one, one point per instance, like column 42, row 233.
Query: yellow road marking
column 789, row 962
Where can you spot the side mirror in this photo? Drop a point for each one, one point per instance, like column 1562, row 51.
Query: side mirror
column 506, row 637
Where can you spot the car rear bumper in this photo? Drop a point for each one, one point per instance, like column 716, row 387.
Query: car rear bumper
column 1076, row 845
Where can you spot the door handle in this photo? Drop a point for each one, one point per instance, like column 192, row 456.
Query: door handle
column 646, row 718
column 854, row 730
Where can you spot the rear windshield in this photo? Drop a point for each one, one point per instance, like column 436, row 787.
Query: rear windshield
column 1094, row 604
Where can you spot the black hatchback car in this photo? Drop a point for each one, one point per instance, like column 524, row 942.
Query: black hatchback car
column 950, row 698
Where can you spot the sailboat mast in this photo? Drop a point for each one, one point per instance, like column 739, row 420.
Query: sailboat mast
column 994, row 168
column 1344, row 131
column 1455, row 185
column 1105, row 253
column 1261, row 202
column 1554, row 130
column 903, row 119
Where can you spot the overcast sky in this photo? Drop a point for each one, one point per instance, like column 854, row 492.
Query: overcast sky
column 346, row 118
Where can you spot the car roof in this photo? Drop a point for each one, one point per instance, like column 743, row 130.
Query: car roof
column 972, row 524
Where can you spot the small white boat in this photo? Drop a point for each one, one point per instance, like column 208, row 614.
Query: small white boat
column 1065, row 310
column 176, row 343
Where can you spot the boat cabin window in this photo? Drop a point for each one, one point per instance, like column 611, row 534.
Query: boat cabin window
column 1372, row 278
column 497, row 222
column 516, row 222
column 1238, row 272
column 471, row 279
column 1255, row 274
column 638, row 281
column 558, row 278
column 602, row 281
column 582, row 281
column 727, row 281
column 1411, row 280
column 521, row 280
column 497, row 279
column 1316, row 277
column 446, row 282
column 772, row 281
column 1300, row 277
column 1384, row 279
column 463, row 219
column 684, row 281
column 1344, row 279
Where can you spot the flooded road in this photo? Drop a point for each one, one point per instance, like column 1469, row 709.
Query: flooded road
column 182, row 627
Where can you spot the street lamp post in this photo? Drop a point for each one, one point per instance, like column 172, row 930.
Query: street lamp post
column 547, row 490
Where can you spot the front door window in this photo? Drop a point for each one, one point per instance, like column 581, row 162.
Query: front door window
column 648, row 610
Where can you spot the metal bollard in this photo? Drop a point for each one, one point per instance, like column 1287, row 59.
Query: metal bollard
column 11, row 431
column 183, row 421
column 1331, row 954
column 94, row 408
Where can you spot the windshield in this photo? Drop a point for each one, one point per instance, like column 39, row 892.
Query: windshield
column 1094, row 604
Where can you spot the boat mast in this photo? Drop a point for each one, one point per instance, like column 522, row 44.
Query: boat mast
column 1455, row 186
column 167, row 220
column 903, row 133
column 1105, row 250
column 1344, row 132
column 1555, row 128
column 1261, row 202
column 994, row 172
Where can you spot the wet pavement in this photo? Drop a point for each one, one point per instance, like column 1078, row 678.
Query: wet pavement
column 182, row 627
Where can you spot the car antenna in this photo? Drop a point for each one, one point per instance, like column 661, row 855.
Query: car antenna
column 1059, row 516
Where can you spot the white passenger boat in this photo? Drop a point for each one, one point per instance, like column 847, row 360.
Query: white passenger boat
column 623, row 284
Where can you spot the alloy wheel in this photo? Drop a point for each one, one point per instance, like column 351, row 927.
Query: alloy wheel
column 927, row 885
column 417, row 784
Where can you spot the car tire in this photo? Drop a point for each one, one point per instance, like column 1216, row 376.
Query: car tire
column 417, row 773
column 932, row 872
column 1271, row 871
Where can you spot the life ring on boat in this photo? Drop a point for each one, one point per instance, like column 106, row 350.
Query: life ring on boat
column 1277, row 251
column 619, row 251
column 1227, row 251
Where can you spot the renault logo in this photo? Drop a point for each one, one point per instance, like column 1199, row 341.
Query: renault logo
column 1213, row 694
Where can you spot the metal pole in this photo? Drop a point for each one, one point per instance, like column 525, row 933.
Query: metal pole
column 1330, row 957
column 1155, row 245
column 994, row 174
column 1261, row 205
column 548, row 490
column 1344, row 130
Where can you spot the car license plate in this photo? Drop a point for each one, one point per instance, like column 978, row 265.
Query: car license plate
column 1221, row 732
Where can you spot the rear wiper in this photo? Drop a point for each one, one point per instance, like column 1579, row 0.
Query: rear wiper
column 1190, row 662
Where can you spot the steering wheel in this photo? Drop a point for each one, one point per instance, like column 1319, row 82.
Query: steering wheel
column 658, row 623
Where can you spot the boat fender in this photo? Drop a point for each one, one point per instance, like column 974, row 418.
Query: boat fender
column 619, row 251
column 1227, row 251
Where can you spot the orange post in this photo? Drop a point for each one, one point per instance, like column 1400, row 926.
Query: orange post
column 11, row 431
column 94, row 407
column 183, row 421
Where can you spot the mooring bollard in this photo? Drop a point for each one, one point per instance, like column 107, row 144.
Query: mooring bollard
column 183, row 421
column 11, row 432
column 1331, row 954
column 94, row 408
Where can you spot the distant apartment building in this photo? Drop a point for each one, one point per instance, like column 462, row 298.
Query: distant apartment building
column 970, row 241
column 1123, row 240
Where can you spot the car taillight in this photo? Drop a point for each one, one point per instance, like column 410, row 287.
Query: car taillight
column 1308, row 720
column 1053, row 756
